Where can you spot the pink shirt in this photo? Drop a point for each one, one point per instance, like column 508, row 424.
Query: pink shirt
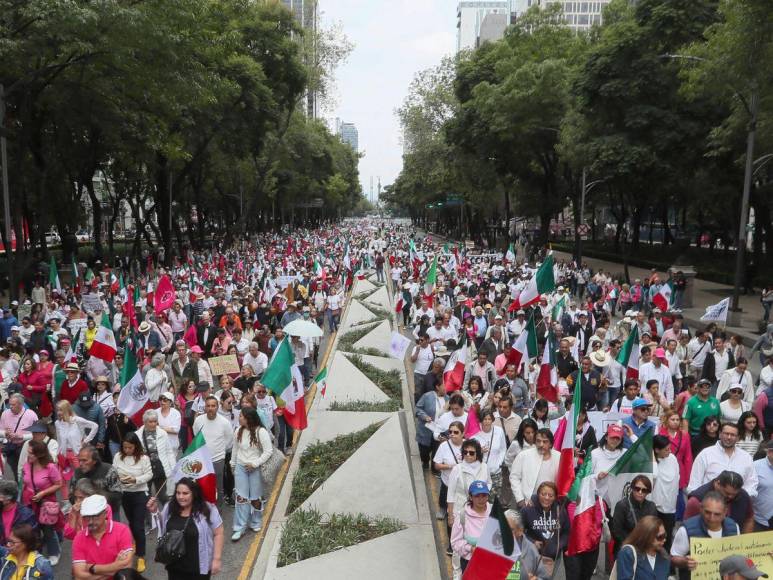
column 8, row 421
column 43, row 479
column 8, row 517
column 116, row 540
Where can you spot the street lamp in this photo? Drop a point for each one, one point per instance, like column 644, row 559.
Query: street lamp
column 586, row 187
column 752, row 108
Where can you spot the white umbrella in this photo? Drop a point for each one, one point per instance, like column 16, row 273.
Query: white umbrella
column 301, row 327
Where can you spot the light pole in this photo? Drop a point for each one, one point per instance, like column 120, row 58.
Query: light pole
column 586, row 187
column 752, row 108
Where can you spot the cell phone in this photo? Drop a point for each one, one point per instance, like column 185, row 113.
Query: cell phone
column 446, row 434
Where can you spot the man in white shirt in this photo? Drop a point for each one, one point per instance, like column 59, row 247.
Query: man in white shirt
column 533, row 466
column 724, row 455
column 219, row 437
column 697, row 349
column 516, row 326
column 256, row 359
column 766, row 376
column 177, row 320
column 436, row 334
column 672, row 360
column 656, row 370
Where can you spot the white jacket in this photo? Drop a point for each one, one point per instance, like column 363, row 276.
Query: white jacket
column 462, row 475
column 165, row 453
column 524, row 475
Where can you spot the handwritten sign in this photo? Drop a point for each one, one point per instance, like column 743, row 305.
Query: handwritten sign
column 91, row 303
column 709, row 552
column 284, row 281
column 77, row 324
column 224, row 365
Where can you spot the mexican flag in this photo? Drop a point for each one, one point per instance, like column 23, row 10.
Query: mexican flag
column 637, row 460
column 629, row 354
column 72, row 352
column 399, row 303
column 547, row 380
column 496, row 551
column 663, row 298
column 542, row 282
column 510, row 255
column 415, row 257
column 431, row 281
column 321, row 380
column 347, row 259
column 284, row 377
column 319, row 271
column 558, row 309
column 566, row 433
column 525, row 346
column 104, row 342
column 196, row 463
column 75, row 275
column 453, row 263
column 585, row 531
column 53, row 276
column 453, row 374
column 133, row 394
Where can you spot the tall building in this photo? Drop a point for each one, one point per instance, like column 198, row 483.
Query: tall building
column 579, row 15
column 306, row 13
column 348, row 133
column 470, row 15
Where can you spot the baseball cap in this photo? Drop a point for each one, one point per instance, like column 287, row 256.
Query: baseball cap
column 93, row 505
column 85, row 400
column 660, row 353
column 740, row 565
column 614, row 430
column 640, row 402
column 478, row 487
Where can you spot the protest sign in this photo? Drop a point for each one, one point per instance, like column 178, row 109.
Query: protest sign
column 91, row 303
column 709, row 552
column 224, row 365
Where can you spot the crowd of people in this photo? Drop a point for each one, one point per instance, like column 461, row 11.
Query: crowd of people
column 101, row 472
column 493, row 435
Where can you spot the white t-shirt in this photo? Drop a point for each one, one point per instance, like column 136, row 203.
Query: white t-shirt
column 449, row 454
column 424, row 360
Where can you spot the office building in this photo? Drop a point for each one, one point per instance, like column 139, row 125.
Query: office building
column 348, row 134
column 579, row 15
column 470, row 15
column 306, row 13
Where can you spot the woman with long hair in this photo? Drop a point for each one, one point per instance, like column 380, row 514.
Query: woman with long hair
column 707, row 436
column 186, row 396
column 252, row 448
column 642, row 554
column 72, row 432
column 34, row 388
column 475, row 394
column 671, row 427
column 134, row 471
column 202, row 529
column 524, row 439
column 750, row 435
column 41, row 480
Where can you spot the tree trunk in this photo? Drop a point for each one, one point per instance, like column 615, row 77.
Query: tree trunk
column 96, row 212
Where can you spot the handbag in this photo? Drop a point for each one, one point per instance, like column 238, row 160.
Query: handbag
column 48, row 511
column 171, row 546
column 270, row 468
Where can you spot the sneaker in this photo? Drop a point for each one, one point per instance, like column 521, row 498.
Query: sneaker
column 236, row 536
column 54, row 560
column 449, row 552
column 141, row 565
column 257, row 529
column 440, row 515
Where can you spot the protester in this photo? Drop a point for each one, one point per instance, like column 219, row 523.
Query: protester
column 632, row 508
column 643, row 554
column 534, row 466
column 546, row 523
column 471, row 521
column 158, row 448
column 19, row 557
column 218, row 433
column 103, row 546
column 41, row 481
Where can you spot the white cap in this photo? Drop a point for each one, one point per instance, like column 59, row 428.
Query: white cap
column 93, row 505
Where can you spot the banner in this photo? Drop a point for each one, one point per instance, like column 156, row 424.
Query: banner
column 224, row 365
column 91, row 303
column 709, row 552
column 717, row 312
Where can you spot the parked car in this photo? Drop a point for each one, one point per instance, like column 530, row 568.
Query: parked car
column 52, row 238
column 82, row 236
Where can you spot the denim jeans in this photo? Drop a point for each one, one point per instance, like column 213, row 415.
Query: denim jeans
column 50, row 540
column 249, row 488
column 115, row 447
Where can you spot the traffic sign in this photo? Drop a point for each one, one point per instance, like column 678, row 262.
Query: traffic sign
column 583, row 229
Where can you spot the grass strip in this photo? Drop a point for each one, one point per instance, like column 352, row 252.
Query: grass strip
column 319, row 460
column 389, row 406
column 387, row 381
column 363, row 323
column 377, row 310
column 308, row 533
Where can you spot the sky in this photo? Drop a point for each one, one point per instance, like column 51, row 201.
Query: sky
column 392, row 41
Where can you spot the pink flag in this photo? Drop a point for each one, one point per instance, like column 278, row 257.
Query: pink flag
column 190, row 337
column 473, row 424
column 164, row 296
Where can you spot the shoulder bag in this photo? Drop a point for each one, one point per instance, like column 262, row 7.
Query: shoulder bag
column 171, row 546
column 48, row 511
column 270, row 468
column 613, row 575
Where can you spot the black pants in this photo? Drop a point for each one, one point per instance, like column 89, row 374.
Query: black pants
column 668, row 522
column 228, row 476
column 581, row 566
column 134, row 505
column 427, row 452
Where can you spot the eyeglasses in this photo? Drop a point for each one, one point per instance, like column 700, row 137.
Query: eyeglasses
column 661, row 537
column 470, row 452
column 641, row 489
column 11, row 542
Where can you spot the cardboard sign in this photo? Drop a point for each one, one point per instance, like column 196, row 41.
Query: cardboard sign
column 709, row 552
column 91, row 303
column 224, row 365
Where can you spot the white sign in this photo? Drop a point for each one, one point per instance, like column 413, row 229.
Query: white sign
column 91, row 303
column 717, row 312
column 398, row 346
column 284, row 281
column 77, row 324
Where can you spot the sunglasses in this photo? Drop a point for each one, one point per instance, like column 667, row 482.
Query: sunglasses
column 470, row 452
column 661, row 537
column 641, row 489
column 455, row 432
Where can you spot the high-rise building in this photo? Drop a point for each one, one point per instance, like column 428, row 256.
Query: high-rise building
column 470, row 15
column 306, row 13
column 348, row 133
column 579, row 15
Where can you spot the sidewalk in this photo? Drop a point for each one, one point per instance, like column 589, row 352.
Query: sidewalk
column 705, row 294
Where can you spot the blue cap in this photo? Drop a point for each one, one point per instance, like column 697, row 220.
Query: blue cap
column 479, row 487
column 640, row 402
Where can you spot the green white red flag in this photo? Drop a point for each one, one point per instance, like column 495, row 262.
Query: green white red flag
column 496, row 550
column 104, row 346
column 629, row 354
column 53, row 276
column 525, row 346
column 197, row 464
column 453, row 374
column 542, row 282
column 510, row 255
column 663, row 298
column 431, row 280
column 637, row 460
column 565, row 436
column 284, row 377
column 585, row 531
column 321, row 380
